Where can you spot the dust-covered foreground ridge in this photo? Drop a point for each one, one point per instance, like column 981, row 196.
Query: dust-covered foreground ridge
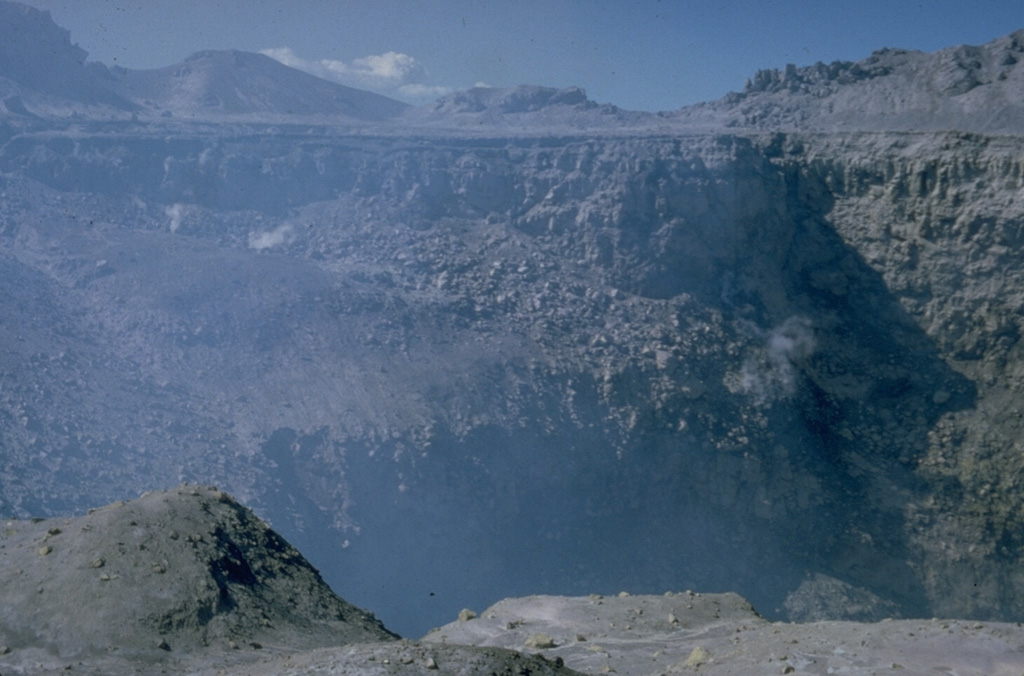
column 722, row 634
column 190, row 581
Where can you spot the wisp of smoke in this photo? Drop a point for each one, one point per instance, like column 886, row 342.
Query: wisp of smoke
column 269, row 239
column 773, row 373
column 175, row 212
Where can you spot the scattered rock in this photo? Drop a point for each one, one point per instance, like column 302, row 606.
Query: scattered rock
column 821, row 597
column 698, row 656
column 539, row 641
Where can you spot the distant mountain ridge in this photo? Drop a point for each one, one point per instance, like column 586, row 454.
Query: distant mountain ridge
column 43, row 73
column 240, row 83
column 968, row 88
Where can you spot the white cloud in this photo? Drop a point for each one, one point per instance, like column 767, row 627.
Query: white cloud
column 390, row 67
column 391, row 73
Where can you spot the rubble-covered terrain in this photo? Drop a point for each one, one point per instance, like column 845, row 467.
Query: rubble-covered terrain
column 722, row 635
column 515, row 342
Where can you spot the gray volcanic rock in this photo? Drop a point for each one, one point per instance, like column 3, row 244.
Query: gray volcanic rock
column 526, row 110
column 768, row 346
column 523, row 99
column 408, row 658
column 162, row 577
column 969, row 88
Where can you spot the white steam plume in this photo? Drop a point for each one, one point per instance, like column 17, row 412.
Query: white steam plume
column 771, row 373
column 268, row 239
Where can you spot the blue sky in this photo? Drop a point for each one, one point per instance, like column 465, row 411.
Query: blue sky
column 637, row 54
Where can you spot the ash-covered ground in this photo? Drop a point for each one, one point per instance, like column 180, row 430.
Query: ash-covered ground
column 189, row 581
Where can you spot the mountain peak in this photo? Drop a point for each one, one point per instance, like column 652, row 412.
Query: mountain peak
column 245, row 83
column 32, row 43
column 529, row 108
column 37, row 56
column 41, row 71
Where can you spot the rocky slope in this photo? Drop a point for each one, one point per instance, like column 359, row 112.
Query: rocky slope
column 171, row 571
column 527, row 344
column 539, row 345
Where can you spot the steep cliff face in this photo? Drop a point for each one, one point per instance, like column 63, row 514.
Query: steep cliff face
column 940, row 219
column 458, row 369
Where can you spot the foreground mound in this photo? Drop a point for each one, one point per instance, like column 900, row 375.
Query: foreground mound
column 169, row 573
column 721, row 634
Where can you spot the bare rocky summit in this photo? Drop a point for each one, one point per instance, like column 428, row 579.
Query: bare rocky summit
column 159, row 578
column 967, row 87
